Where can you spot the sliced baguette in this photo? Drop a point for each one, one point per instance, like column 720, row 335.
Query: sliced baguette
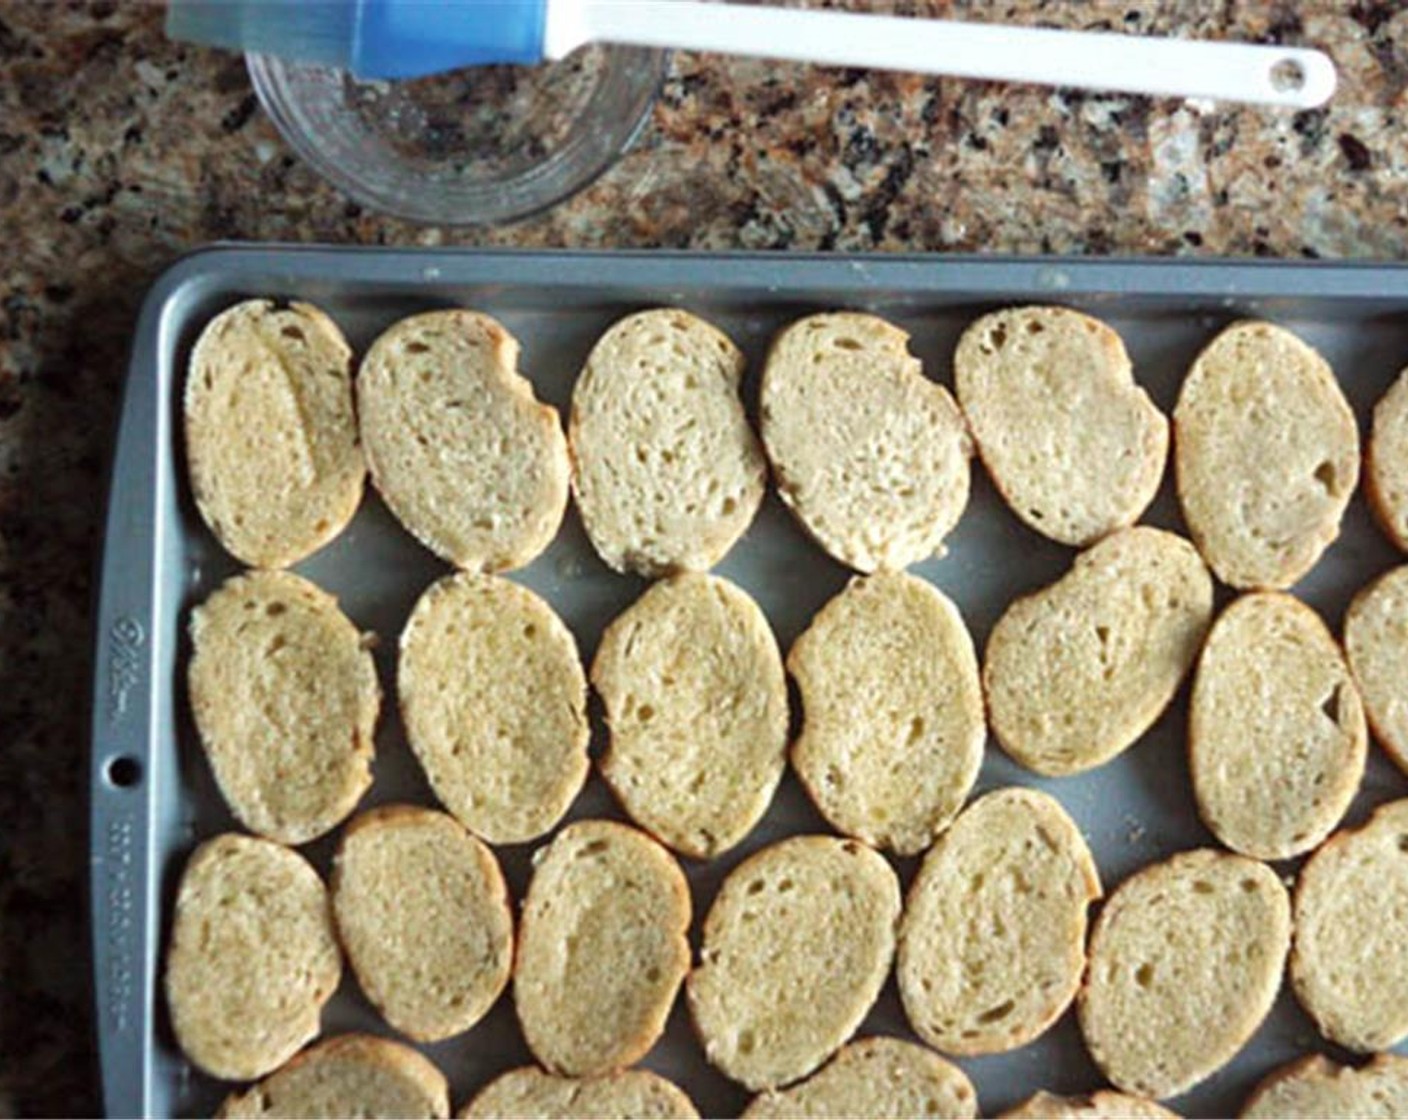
column 271, row 435
column 602, row 948
column 470, row 462
column 1313, row 1087
column 1075, row 447
column 1386, row 462
column 285, row 698
column 532, row 1094
column 1185, row 962
column 1100, row 1105
column 1376, row 643
column 423, row 913
column 253, row 956
column 668, row 473
column 992, row 944
column 893, row 729
column 1078, row 671
column 698, row 743
column 766, row 1011
column 1267, row 455
column 871, row 456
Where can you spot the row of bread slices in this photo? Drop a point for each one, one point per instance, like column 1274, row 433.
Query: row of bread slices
column 870, row 454
column 990, row 948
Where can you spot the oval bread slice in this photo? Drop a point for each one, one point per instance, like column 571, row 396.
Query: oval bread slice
column 893, row 729
column 351, row 1075
column 253, row 956
column 1185, row 962
column 285, row 698
column 874, row 1077
column 467, row 458
column 1075, row 447
column 423, row 912
column 871, row 456
column 1276, row 734
column 1314, row 1087
column 532, row 1094
column 992, row 943
column 494, row 701
column 271, row 435
column 1386, row 462
column 1079, row 670
column 668, row 472
column 1101, row 1105
column 767, row 1011
column 1349, row 967
column 1267, row 455
column 698, row 743
column 602, row 948
column 1376, row 643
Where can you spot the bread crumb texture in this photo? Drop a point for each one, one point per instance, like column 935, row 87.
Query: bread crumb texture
column 1315, row 1088
column 533, row 1094
column 1100, row 1105
column 1386, row 464
column 1376, row 643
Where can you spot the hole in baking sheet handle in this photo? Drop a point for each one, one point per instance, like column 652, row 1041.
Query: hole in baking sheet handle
column 123, row 772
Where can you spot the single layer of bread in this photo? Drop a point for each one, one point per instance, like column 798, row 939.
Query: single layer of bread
column 668, row 472
column 1386, row 462
column 467, row 458
column 1267, row 455
column 423, row 913
column 892, row 711
column 796, row 947
column 1104, row 1104
column 602, row 948
column 696, row 701
column 1078, row 671
column 530, row 1093
column 874, row 1077
column 253, row 956
column 1072, row 443
column 285, row 698
column 494, row 701
column 1376, row 644
column 1185, row 962
column 992, row 944
column 271, row 434
column 1349, row 967
column 1315, row 1088
column 871, row 456
column 350, row 1075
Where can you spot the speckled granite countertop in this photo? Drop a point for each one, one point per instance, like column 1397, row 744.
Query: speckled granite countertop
column 119, row 150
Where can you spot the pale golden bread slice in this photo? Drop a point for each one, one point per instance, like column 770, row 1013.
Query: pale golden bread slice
column 1276, row 733
column 871, row 456
column 1349, row 966
column 1267, row 455
column 1185, row 961
column 1315, row 1088
column 992, row 943
column 494, row 700
column 253, row 956
column 602, row 948
column 424, row 915
column 667, row 471
column 876, row 1078
column 530, row 1093
column 893, row 728
column 698, row 743
column 1072, row 443
column 271, row 434
column 1376, row 643
column 350, row 1075
column 795, row 949
column 285, row 698
column 1386, row 462
column 1078, row 671
column 466, row 457
column 1104, row 1104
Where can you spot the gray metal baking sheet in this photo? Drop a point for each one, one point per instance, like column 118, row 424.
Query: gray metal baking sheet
column 153, row 797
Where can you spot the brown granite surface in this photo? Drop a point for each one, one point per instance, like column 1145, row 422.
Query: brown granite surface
column 119, row 150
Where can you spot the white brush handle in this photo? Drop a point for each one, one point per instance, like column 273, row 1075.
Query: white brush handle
column 1287, row 76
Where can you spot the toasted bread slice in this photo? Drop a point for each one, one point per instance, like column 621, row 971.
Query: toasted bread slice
column 1100, row 1105
column 1314, row 1087
column 532, row 1094
column 1386, row 462
column 1376, row 644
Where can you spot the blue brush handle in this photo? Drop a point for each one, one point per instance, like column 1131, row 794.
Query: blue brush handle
column 412, row 38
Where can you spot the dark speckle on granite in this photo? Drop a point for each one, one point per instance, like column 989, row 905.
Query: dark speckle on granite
column 119, row 150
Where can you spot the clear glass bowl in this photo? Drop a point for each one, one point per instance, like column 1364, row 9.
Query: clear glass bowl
column 480, row 145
